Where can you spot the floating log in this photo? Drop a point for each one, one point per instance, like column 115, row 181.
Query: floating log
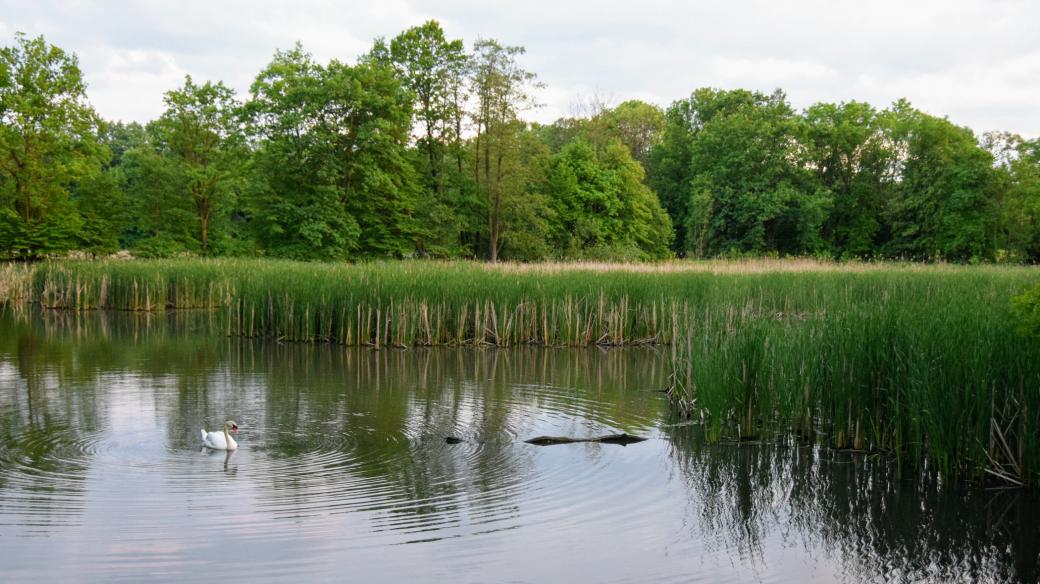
column 622, row 439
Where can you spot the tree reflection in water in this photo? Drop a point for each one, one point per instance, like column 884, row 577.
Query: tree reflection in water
column 100, row 408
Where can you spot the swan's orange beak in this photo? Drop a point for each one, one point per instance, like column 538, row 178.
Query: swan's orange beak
column 234, row 428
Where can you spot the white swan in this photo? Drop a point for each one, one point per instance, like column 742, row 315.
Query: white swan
column 221, row 440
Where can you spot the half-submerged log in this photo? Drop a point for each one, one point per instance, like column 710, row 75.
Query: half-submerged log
column 622, row 439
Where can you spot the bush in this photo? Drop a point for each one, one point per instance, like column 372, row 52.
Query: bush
column 158, row 246
column 1027, row 308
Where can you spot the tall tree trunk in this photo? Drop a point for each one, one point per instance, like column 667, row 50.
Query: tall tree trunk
column 204, row 231
column 23, row 196
column 202, row 207
column 493, row 233
column 431, row 153
column 476, row 157
column 492, row 192
column 458, row 128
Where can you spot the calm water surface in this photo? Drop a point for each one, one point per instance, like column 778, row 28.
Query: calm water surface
column 343, row 473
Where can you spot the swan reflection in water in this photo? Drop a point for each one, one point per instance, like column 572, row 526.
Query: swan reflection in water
column 227, row 458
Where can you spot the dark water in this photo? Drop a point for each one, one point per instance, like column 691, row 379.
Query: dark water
column 343, row 473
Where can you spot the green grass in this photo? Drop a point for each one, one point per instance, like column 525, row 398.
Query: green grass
column 925, row 362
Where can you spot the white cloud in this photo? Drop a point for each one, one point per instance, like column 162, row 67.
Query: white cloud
column 130, row 83
column 976, row 61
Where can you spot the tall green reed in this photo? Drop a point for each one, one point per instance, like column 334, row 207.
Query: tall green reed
column 926, row 366
column 923, row 362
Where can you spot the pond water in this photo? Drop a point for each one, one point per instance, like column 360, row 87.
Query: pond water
column 344, row 474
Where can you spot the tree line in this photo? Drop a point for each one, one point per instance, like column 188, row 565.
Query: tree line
column 420, row 149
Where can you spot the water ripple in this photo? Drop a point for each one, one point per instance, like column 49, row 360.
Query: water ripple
column 344, row 472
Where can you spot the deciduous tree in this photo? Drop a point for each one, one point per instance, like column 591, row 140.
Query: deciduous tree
column 939, row 208
column 332, row 176
column 501, row 89
column 201, row 133
column 847, row 148
column 434, row 69
column 601, row 206
column 48, row 142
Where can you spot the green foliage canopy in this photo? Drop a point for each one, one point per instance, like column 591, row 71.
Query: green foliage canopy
column 201, row 136
column 331, row 172
column 420, row 148
column 48, row 142
column 601, row 205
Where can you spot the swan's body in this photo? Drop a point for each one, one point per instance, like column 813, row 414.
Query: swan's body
column 221, row 440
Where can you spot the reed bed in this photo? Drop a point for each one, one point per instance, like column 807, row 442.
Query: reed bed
column 925, row 362
column 927, row 366
column 382, row 304
column 16, row 283
column 717, row 266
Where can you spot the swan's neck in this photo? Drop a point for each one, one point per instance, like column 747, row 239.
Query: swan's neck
column 227, row 439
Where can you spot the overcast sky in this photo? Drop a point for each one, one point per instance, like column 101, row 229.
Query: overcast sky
column 975, row 61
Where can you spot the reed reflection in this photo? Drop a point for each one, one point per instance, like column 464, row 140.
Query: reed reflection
column 884, row 522
column 344, row 449
column 373, row 423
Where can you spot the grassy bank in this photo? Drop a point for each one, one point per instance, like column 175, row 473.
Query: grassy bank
column 921, row 361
